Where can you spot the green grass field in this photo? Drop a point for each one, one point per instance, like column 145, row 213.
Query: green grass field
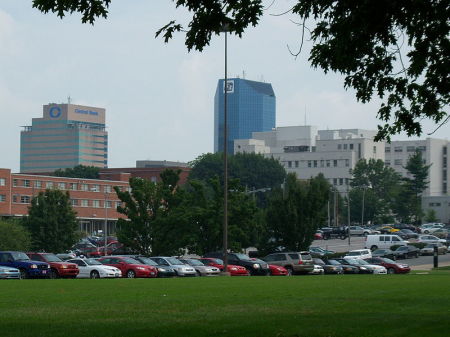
column 343, row 305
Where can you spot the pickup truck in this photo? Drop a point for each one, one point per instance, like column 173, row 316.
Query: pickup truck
column 28, row 268
column 334, row 232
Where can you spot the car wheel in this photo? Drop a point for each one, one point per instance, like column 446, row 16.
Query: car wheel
column 289, row 271
column 23, row 274
column 94, row 274
column 426, row 232
column 373, row 248
column 391, row 271
column 53, row 274
column 131, row 274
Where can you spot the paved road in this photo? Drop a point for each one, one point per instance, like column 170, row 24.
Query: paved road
column 422, row 262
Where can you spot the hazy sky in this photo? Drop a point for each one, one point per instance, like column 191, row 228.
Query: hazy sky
column 159, row 98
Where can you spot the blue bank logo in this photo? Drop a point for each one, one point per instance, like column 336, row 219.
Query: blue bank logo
column 55, row 112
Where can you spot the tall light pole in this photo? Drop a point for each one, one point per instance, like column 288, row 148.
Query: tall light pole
column 362, row 210
column 106, row 222
column 225, row 161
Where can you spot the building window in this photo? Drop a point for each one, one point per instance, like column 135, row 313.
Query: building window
column 107, row 189
column 49, row 184
column 15, row 182
column 345, row 146
column 374, row 149
column 398, row 162
column 289, row 164
column 74, row 202
column 84, row 203
column 118, row 203
column 347, row 162
column 296, row 163
column 309, row 163
column 341, row 181
column 410, row 149
column 346, row 181
column 339, row 146
column 15, row 198
column 398, row 149
column 315, row 163
column 322, row 163
column 26, row 183
column 422, row 148
column 2, row 198
column 38, row 184
column 84, row 187
column 444, row 189
column 444, row 175
column 351, row 146
column 2, row 181
column 62, row 186
column 95, row 188
column 445, row 150
column 387, row 149
column 73, row 186
column 25, row 199
column 387, row 162
column 96, row 203
column 335, row 163
column 444, row 164
column 334, row 181
column 108, row 204
column 328, row 163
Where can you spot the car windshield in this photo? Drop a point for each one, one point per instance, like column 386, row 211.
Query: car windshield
column 19, row 256
column 218, row 261
column 305, row 256
column 147, row 261
column 130, row 260
column 242, row 256
column 92, row 262
column 388, row 260
column 194, row 262
column 52, row 258
column 173, row 260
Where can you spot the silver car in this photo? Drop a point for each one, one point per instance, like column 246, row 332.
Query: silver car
column 9, row 272
column 180, row 268
column 200, row 268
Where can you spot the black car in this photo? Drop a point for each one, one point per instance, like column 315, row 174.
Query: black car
column 254, row 267
column 163, row 271
column 407, row 234
column 362, row 269
column 329, row 268
column 348, row 269
column 334, row 232
column 384, row 253
column 405, row 252
column 406, row 226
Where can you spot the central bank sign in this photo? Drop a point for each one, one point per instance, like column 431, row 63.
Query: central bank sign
column 86, row 112
column 229, row 87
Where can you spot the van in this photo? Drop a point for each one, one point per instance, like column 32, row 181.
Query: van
column 384, row 241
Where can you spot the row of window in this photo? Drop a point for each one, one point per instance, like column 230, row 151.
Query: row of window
column 399, row 162
column 408, row 149
column 26, row 199
column 63, row 185
column 317, row 163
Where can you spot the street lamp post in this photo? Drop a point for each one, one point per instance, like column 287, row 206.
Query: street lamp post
column 106, row 223
column 362, row 210
column 225, row 163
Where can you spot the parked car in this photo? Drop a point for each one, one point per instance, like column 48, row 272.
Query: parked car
column 376, row 241
column 129, row 267
column 180, row 268
column 429, row 249
column 318, row 270
column 27, row 267
column 234, row 270
column 320, row 252
column 254, row 268
column 430, row 239
column 365, row 267
column 387, row 253
column 407, row 234
column 360, row 231
column 87, row 249
column 9, row 273
column 163, row 271
column 441, row 233
column 391, row 266
column 294, row 262
column 334, row 232
column 200, row 268
column 318, row 235
column 91, row 268
column 348, row 269
column 277, row 270
column 405, row 252
column 388, row 230
column 359, row 254
column 430, row 227
column 401, row 226
column 329, row 268
column 58, row 268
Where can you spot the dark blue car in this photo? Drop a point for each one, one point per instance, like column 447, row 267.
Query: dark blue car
column 27, row 267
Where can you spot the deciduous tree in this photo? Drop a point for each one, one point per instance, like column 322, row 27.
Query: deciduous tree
column 13, row 236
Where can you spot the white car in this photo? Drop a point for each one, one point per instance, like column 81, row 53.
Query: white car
column 91, row 268
column 359, row 254
column 318, row 270
column 430, row 227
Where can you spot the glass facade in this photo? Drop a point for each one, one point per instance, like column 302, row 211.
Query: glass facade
column 250, row 108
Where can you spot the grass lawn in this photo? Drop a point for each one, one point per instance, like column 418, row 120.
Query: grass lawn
column 341, row 305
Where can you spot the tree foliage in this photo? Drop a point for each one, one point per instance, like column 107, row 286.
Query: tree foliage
column 295, row 213
column 52, row 222
column 13, row 236
column 363, row 40
column 79, row 171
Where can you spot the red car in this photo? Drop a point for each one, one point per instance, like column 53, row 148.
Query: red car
column 277, row 270
column 318, row 236
column 58, row 268
column 391, row 266
column 218, row 263
column 129, row 267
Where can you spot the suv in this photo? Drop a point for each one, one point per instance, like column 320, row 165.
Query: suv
column 27, row 267
column 58, row 268
column 253, row 267
column 294, row 262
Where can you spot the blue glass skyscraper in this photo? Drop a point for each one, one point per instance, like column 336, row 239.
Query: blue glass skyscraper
column 250, row 108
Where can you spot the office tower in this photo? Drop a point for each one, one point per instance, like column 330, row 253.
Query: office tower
column 250, row 108
column 66, row 136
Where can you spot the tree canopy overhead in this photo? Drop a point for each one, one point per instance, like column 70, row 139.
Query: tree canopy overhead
column 396, row 50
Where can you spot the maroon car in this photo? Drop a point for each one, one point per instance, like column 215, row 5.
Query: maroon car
column 391, row 266
column 58, row 268
column 130, row 267
column 218, row 263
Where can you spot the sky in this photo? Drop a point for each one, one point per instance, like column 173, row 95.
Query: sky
column 159, row 98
